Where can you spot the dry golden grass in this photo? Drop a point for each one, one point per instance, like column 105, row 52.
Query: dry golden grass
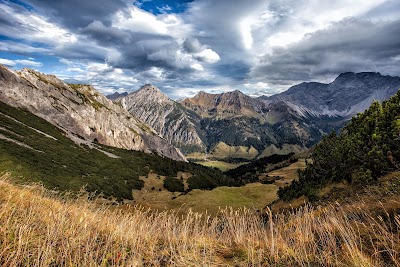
column 42, row 228
column 288, row 173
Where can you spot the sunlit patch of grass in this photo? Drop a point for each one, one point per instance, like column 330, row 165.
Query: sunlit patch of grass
column 221, row 165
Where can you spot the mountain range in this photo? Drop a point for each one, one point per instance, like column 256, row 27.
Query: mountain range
column 234, row 125
column 227, row 126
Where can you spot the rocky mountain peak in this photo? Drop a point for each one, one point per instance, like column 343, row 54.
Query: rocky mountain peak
column 81, row 111
column 150, row 88
column 167, row 117
column 347, row 95
column 200, row 94
column 223, row 105
column 150, row 93
column 115, row 95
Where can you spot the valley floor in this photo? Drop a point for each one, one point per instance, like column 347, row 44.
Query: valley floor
column 254, row 196
column 43, row 228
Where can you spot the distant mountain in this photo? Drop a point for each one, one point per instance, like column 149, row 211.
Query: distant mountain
column 116, row 95
column 81, row 111
column 366, row 149
column 289, row 121
column 349, row 94
column 240, row 123
column 168, row 118
column 234, row 125
column 226, row 105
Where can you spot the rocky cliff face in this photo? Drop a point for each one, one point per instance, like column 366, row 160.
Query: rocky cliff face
column 347, row 95
column 81, row 111
column 225, row 105
column 167, row 117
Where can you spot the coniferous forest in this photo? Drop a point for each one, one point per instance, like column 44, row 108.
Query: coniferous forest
column 367, row 148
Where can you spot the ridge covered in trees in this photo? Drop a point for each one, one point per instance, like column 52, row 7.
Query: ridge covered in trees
column 367, row 148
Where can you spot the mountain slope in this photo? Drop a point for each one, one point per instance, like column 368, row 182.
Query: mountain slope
column 235, row 119
column 347, row 95
column 167, row 117
column 367, row 148
column 81, row 111
column 32, row 149
column 225, row 105
column 297, row 118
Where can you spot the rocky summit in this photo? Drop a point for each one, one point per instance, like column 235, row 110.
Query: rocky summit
column 167, row 117
column 349, row 94
column 116, row 95
column 81, row 111
column 225, row 105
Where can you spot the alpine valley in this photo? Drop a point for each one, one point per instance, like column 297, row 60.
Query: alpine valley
column 235, row 127
column 120, row 176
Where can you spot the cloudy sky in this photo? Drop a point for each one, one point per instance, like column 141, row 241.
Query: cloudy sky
column 256, row 46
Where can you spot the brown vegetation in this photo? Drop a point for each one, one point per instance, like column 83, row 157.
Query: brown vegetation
column 42, row 228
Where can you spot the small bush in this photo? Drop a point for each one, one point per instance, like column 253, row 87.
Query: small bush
column 173, row 185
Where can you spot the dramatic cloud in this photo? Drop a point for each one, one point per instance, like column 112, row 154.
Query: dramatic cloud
column 259, row 46
column 349, row 45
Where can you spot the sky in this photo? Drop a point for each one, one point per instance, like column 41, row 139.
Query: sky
column 261, row 47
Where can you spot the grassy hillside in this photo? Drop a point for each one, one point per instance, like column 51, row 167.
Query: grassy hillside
column 42, row 228
column 254, row 196
column 35, row 150
column 367, row 148
column 250, row 172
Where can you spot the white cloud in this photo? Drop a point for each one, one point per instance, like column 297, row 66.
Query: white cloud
column 139, row 20
column 34, row 28
column 258, row 85
column 22, row 62
column 20, row 48
column 7, row 62
column 197, row 66
column 207, row 55
column 315, row 15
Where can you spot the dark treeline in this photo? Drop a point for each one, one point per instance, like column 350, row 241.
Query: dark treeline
column 367, row 148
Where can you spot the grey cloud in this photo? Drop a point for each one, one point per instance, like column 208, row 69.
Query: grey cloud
column 217, row 24
column 138, row 51
column 20, row 48
column 350, row 45
column 192, row 45
column 80, row 50
column 235, row 70
column 74, row 14
column 144, row 54
column 107, row 35
column 10, row 26
column 388, row 10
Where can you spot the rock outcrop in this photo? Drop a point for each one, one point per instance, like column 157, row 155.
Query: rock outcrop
column 167, row 117
column 80, row 110
column 349, row 94
column 225, row 105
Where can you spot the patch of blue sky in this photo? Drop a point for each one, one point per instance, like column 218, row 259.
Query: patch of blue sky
column 163, row 6
column 18, row 2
